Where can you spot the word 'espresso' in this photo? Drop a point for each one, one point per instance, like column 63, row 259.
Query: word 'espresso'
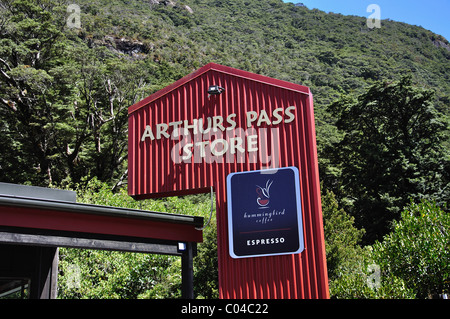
column 196, row 136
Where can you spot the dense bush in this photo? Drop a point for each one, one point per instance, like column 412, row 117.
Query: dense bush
column 418, row 250
column 410, row 262
column 352, row 271
column 391, row 150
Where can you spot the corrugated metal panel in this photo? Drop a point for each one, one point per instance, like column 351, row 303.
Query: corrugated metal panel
column 153, row 173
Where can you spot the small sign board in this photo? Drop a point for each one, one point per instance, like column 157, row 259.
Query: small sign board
column 264, row 213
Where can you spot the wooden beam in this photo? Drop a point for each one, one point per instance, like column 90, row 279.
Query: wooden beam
column 85, row 243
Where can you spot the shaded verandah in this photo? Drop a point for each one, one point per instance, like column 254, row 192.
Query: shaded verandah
column 35, row 221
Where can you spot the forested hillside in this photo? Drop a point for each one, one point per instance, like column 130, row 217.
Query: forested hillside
column 382, row 95
column 65, row 90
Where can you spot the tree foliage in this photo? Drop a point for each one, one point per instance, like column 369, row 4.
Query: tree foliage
column 342, row 238
column 418, row 249
column 63, row 106
column 391, row 151
column 352, row 270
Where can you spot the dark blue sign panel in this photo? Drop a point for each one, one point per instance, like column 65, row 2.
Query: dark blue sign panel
column 264, row 213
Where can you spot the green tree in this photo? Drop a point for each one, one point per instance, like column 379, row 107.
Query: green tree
column 342, row 238
column 63, row 105
column 391, row 151
column 418, row 249
column 206, row 275
column 95, row 142
column 29, row 45
column 352, row 271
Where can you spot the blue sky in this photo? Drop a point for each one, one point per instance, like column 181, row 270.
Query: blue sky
column 432, row 15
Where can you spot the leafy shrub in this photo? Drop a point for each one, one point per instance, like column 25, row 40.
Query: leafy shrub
column 352, row 271
column 418, row 249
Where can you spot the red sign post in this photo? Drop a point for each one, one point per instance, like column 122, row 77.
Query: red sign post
column 191, row 135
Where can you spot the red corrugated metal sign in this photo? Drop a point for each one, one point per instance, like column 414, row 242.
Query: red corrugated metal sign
column 184, row 140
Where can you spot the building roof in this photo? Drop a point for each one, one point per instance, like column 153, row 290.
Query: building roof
column 37, row 207
column 221, row 69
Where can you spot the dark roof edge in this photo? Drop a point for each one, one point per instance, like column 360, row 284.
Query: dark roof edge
column 37, row 192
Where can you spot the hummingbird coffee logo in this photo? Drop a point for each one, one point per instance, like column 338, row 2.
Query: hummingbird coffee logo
column 264, row 215
column 263, row 198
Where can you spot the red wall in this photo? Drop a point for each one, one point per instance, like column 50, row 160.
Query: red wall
column 285, row 137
